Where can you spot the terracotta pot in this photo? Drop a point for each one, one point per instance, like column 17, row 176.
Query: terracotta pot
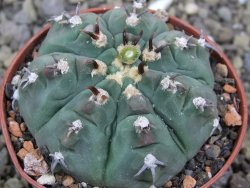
column 28, row 48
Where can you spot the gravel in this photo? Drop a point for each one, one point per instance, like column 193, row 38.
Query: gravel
column 226, row 21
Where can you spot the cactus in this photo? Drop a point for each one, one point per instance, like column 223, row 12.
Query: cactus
column 119, row 99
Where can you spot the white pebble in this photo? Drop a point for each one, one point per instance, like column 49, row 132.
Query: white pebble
column 47, row 179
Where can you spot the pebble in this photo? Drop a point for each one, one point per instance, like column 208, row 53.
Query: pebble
column 232, row 117
column 28, row 145
column 2, row 141
column 189, row 182
column 223, row 35
column 13, row 34
column 48, row 8
column 47, row 179
column 238, row 62
column 13, row 183
column 15, row 129
column 67, row 181
column 225, row 13
column 229, row 89
column 23, row 127
column 238, row 181
column 246, row 152
column 22, row 153
column 226, row 97
column 5, row 53
column 168, row 184
column 247, row 61
column 221, row 69
column 34, row 164
column 8, row 61
column 3, row 160
column 242, row 41
column 191, row 8
column 213, row 152
column 223, row 181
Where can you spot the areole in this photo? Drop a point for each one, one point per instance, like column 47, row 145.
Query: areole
column 27, row 49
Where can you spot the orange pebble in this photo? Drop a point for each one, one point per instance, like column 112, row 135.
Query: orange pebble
column 15, row 129
column 232, row 117
column 22, row 153
column 28, row 145
column 189, row 182
column 229, row 89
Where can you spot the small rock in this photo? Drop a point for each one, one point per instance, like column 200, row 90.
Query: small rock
column 221, row 69
column 67, row 181
column 22, row 153
column 232, row 117
column 47, row 179
column 212, row 2
column 4, row 158
column 223, row 181
column 34, row 164
column 238, row 181
column 160, row 4
column 247, row 61
column 168, row 184
column 13, row 183
column 5, row 53
column 23, row 127
column 208, row 170
column 191, row 8
column 226, row 97
column 225, row 13
column 189, row 182
column 248, row 176
column 15, row 129
column 238, row 62
column 84, row 185
column 223, row 34
column 8, row 61
column 246, row 152
column 213, row 139
column 29, row 9
column 213, row 152
column 242, row 41
column 229, row 89
column 2, row 141
column 74, row 186
column 28, row 145
column 48, row 8
column 27, row 15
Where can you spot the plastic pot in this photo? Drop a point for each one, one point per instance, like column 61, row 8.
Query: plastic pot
column 28, row 48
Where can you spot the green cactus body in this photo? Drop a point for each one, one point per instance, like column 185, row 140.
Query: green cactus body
column 124, row 108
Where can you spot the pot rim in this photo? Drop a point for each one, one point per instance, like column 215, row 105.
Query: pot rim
column 29, row 46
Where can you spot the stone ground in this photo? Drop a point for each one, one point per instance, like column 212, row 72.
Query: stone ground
column 226, row 21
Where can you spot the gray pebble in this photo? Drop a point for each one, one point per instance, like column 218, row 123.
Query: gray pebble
column 48, row 8
column 238, row 62
column 5, row 53
column 13, row 34
column 225, row 14
column 223, row 34
column 2, row 142
column 239, row 181
column 213, row 152
column 246, row 152
column 247, row 61
column 223, row 181
column 242, row 41
column 13, row 183
column 4, row 160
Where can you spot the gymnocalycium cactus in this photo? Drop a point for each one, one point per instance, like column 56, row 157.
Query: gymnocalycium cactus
column 118, row 99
